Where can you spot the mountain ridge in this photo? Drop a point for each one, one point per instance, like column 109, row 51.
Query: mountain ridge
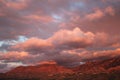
column 96, row 70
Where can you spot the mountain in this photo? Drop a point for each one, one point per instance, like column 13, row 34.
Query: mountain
column 108, row 69
column 46, row 68
column 96, row 70
column 99, row 66
column 35, row 72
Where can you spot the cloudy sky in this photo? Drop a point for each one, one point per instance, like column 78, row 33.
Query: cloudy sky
column 66, row 32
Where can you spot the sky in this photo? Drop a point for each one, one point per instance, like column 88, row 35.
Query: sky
column 65, row 32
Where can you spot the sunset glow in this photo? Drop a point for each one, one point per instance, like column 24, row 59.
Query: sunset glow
column 64, row 32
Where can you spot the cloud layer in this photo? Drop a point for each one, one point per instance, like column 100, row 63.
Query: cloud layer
column 66, row 47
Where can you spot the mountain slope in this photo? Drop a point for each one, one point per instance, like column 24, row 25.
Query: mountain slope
column 98, row 70
column 98, row 66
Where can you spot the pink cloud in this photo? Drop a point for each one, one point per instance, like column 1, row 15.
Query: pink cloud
column 40, row 18
column 67, row 39
column 33, row 42
column 76, row 35
column 86, row 55
column 62, row 37
column 110, row 10
column 17, row 56
column 20, row 4
column 47, row 62
column 96, row 15
column 107, row 53
column 68, row 46
column 99, row 13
